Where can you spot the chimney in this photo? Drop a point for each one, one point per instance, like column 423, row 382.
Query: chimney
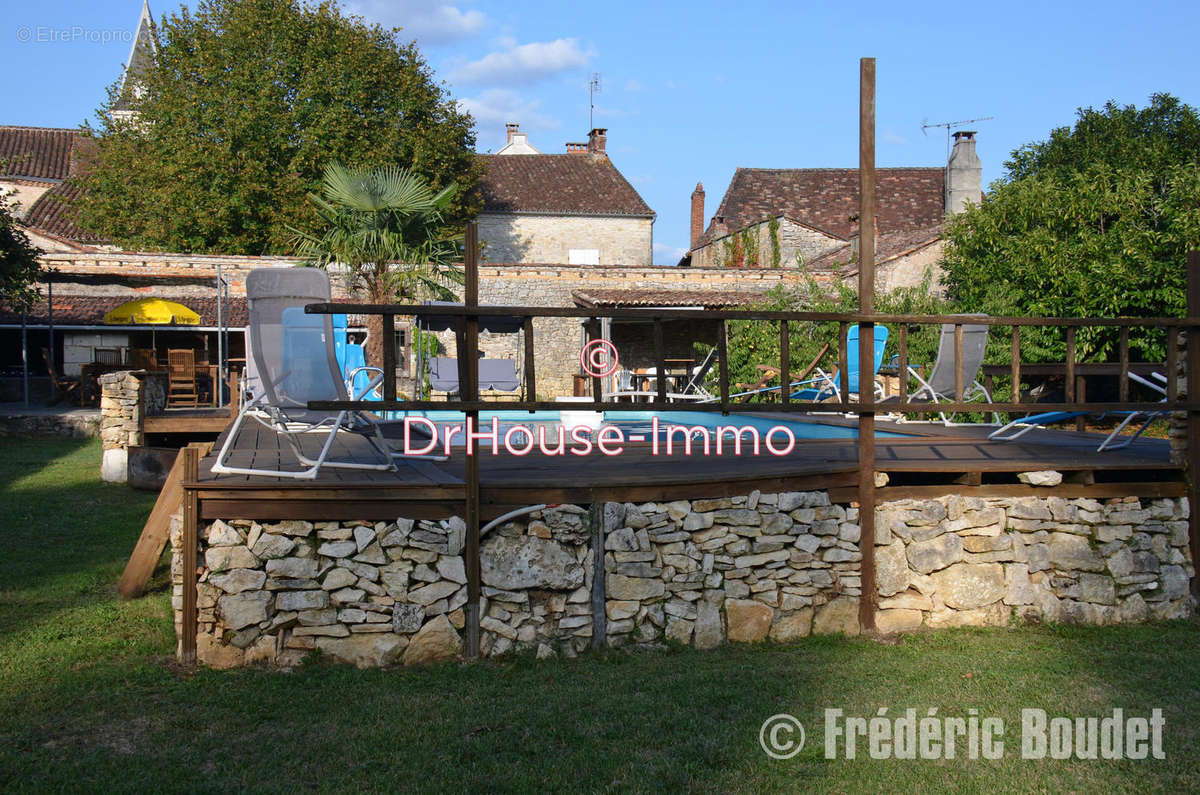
column 697, row 213
column 964, row 174
column 597, row 138
column 511, row 128
column 577, row 149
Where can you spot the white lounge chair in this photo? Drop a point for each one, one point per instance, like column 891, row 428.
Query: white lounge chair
column 940, row 385
column 292, row 357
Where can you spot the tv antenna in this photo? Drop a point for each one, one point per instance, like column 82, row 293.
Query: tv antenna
column 925, row 125
column 593, row 90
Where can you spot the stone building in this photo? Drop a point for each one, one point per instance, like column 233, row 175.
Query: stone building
column 781, row 218
column 574, row 208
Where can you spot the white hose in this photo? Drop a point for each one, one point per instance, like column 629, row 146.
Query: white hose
column 511, row 515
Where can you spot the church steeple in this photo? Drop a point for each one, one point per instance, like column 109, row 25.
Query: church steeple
column 141, row 56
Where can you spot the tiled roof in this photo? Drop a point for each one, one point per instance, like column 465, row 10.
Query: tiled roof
column 709, row 299
column 52, row 213
column 827, row 198
column 887, row 247
column 580, row 184
column 39, row 152
column 89, row 310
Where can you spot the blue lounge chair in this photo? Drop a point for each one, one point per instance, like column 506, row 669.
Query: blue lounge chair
column 1018, row 428
column 827, row 385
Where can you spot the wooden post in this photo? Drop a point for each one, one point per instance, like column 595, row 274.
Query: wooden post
column 660, row 363
column 723, row 365
column 1193, row 417
column 598, row 517
column 530, row 364
column 785, row 363
column 191, row 471
column 389, row 358
column 866, row 341
column 469, row 392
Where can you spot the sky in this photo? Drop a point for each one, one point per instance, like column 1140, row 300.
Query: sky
column 690, row 91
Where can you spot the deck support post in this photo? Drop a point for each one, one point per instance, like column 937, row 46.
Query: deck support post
column 866, row 343
column 1192, row 367
column 469, row 392
column 598, row 518
column 190, row 617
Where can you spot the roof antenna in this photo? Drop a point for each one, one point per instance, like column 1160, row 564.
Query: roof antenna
column 593, row 90
column 925, row 125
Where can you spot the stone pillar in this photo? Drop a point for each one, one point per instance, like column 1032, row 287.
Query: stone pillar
column 120, row 421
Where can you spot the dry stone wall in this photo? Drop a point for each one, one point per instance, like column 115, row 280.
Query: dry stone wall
column 699, row 572
column 958, row 561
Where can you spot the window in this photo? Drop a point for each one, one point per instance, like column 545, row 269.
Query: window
column 583, row 256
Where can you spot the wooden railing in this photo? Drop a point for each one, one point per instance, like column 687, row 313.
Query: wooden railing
column 468, row 317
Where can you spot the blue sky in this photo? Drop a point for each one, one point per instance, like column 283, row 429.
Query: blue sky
column 692, row 90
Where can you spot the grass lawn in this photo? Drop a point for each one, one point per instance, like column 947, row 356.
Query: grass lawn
column 89, row 698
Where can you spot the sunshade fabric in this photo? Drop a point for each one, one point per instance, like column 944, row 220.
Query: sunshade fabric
column 152, row 311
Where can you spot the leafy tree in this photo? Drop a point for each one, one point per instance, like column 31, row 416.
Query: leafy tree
column 245, row 103
column 385, row 229
column 1094, row 221
column 19, row 265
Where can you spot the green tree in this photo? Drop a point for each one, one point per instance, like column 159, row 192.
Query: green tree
column 244, row 104
column 1094, row 221
column 385, row 229
column 19, row 265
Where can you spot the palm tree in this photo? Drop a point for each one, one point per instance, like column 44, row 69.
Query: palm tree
column 385, row 227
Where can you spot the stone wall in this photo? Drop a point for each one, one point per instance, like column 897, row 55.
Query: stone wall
column 958, row 561
column 700, row 572
column 550, row 238
column 120, row 421
column 71, row 423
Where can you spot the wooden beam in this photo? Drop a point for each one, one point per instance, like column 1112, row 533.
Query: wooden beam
column 190, row 617
column 866, row 342
column 1097, row 491
column 469, row 391
column 1193, row 418
column 156, row 531
column 597, row 518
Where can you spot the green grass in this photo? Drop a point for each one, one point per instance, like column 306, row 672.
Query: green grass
column 90, row 700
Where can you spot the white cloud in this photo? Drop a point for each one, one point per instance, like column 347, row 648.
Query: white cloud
column 667, row 255
column 429, row 21
column 496, row 107
column 524, row 63
column 890, row 137
column 633, row 85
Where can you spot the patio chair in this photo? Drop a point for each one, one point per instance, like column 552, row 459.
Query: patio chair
column 108, row 357
column 1018, row 428
column 181, row 378
column 63, row 387
column 294, row 362
column 498, row 375
column 829, row 385
column 939, row 387
column 695, row 384
column 142, row 359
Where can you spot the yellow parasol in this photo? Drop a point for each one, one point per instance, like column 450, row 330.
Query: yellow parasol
column 153, row 311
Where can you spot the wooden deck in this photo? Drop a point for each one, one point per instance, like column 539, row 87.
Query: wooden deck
column 937, row 461
column 188, row 421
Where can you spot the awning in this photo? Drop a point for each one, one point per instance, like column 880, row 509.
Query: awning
column 497, row 324
column 151, row 311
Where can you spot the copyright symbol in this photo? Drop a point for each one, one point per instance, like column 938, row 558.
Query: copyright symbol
column 599, row 358
column 781, row 736
column 24, row 34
